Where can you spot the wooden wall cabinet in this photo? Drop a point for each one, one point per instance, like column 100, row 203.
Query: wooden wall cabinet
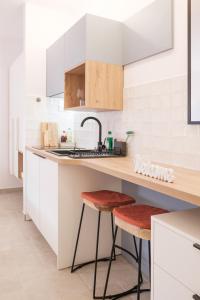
column 94, row 86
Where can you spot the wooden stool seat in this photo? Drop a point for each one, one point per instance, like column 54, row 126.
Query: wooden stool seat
column 105, row 200
column 136, row 219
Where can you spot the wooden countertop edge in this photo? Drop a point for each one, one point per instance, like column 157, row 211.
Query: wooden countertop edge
column 177, row 189
column 150, row 183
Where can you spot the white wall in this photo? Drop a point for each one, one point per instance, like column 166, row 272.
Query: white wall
column 10, row 47
column 168, row 64
column 155, row 104
column 155, row 100
column 43, row 26
column 6, row 180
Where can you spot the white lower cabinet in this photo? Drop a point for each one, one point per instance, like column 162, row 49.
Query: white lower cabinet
column 176, row 256
column 48, row 192
column 42, row 196
column 167, row 288
column 32, row 187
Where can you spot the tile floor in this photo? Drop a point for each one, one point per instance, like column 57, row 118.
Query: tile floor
column 28, row 265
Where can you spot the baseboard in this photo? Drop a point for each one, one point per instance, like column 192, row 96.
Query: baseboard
column 11, row 190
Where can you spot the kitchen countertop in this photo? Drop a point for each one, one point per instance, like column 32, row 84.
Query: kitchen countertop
column 186, row 186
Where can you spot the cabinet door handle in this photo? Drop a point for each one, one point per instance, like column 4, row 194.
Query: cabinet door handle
column 197, row 246
column 39, row 155
column 196, row 297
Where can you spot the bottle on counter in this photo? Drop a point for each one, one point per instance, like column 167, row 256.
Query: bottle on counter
column 69, row 135
column 63, row 138
column 109, row 141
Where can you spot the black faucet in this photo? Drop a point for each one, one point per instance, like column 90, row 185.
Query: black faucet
column 99, row 145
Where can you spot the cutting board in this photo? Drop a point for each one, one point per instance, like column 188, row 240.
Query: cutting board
column 49, row 134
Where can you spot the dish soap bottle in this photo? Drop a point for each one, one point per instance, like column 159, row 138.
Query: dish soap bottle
column 109, row 141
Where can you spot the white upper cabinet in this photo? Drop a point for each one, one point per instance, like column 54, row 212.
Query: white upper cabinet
column 94, row 38
column 75, row 45
column 55, row 68
column 91, row 38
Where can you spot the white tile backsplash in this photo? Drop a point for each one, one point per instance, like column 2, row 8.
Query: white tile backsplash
column 156, row 111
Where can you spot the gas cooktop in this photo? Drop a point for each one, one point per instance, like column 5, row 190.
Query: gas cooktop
column 83, row 153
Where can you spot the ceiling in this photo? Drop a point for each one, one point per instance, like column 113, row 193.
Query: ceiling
column 115, row 9
column 8, row 16
column 11, row 19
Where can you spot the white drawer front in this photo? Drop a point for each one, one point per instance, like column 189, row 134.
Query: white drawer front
column 167, row 288
column 176, row 254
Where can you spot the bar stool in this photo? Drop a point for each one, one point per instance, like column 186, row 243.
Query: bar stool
column 136, row 220
column 102, row 201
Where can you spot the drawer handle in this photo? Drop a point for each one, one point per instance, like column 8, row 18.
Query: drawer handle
column 196, row 297
column 39, row 155
column 197, row 246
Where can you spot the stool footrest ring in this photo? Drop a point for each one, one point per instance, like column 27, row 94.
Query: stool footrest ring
column 116, row 296
column 128, row 252
column 122, row 294
column 79, row 266
column 131, row 291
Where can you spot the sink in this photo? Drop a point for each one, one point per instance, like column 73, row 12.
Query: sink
column 83, row 153
column 61, row 152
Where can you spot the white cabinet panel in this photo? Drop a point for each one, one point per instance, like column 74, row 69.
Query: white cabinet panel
column 93, row 38
column 32, row 186
column 75, row 45
column 49, row 202
column 55, row 68
column 167, row 288
column 16, row 112
column 177, row 255
column 42, row 196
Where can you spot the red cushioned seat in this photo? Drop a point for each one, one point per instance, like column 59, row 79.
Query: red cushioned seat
column 138, row 215
column 107, row 199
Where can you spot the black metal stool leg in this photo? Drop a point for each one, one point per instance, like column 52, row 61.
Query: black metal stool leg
column 75, row 267
column 135, row 289
column 113, row 234
column 110, row 263
column 77, row 240
column 149, row 246
column 136, row 252
column 96, row 256
column 136, row 249
column 139, row 269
